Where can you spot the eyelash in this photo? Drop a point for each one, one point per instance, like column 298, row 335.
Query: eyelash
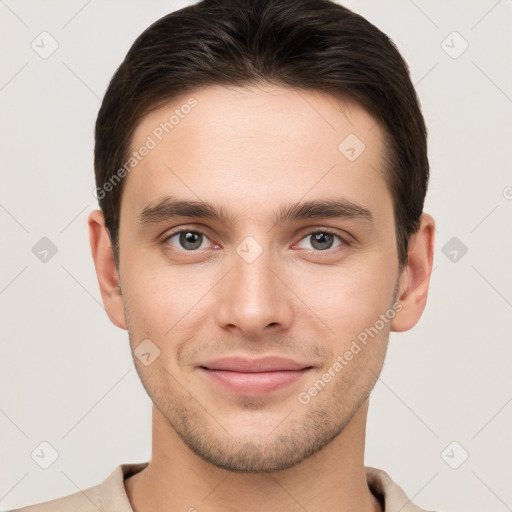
column 344, row 241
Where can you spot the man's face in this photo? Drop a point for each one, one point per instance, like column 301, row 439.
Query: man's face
column 259, row 283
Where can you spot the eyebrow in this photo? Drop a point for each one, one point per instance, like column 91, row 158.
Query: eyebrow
column 169, row 207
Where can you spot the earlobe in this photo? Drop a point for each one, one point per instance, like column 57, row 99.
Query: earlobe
column 106, row 270
column 415, row 277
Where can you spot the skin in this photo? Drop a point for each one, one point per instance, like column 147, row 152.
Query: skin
column 250, row 151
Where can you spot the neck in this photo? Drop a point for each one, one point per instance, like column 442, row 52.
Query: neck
column 177, row 479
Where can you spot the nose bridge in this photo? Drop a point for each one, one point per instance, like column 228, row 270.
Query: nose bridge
column 251, row 297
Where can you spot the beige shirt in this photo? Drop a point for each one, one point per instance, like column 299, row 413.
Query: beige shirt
column 110, row 495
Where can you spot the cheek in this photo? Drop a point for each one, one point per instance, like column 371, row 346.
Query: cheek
column 348, row 299
column 162, row 299
column 149, row 301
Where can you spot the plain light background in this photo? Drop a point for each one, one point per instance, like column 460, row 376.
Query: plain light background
column 67, row 375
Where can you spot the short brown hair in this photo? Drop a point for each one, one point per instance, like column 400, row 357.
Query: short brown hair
column 305, row 44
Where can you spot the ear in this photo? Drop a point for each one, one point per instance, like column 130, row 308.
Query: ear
column 106, row 270
column 415, row 276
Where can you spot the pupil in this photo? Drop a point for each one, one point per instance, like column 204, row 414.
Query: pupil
column 190, row 240
column 322, row 240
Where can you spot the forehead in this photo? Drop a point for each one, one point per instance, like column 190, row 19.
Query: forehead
column 252, row 146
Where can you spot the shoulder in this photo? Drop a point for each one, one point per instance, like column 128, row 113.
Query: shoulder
column 108, row 495
column 389, row 493
column 83, row 501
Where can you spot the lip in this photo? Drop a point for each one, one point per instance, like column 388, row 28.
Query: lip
column 262, row 364
column 254, row 376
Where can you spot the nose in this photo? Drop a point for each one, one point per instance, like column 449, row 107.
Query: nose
column 252, row 301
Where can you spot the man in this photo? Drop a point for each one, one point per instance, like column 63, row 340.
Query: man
column 261, row 170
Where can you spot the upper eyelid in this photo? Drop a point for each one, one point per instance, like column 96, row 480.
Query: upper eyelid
column 172, row 234
column 344, row 239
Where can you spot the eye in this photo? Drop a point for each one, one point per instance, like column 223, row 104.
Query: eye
column 187, row 239
column 322, row 240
